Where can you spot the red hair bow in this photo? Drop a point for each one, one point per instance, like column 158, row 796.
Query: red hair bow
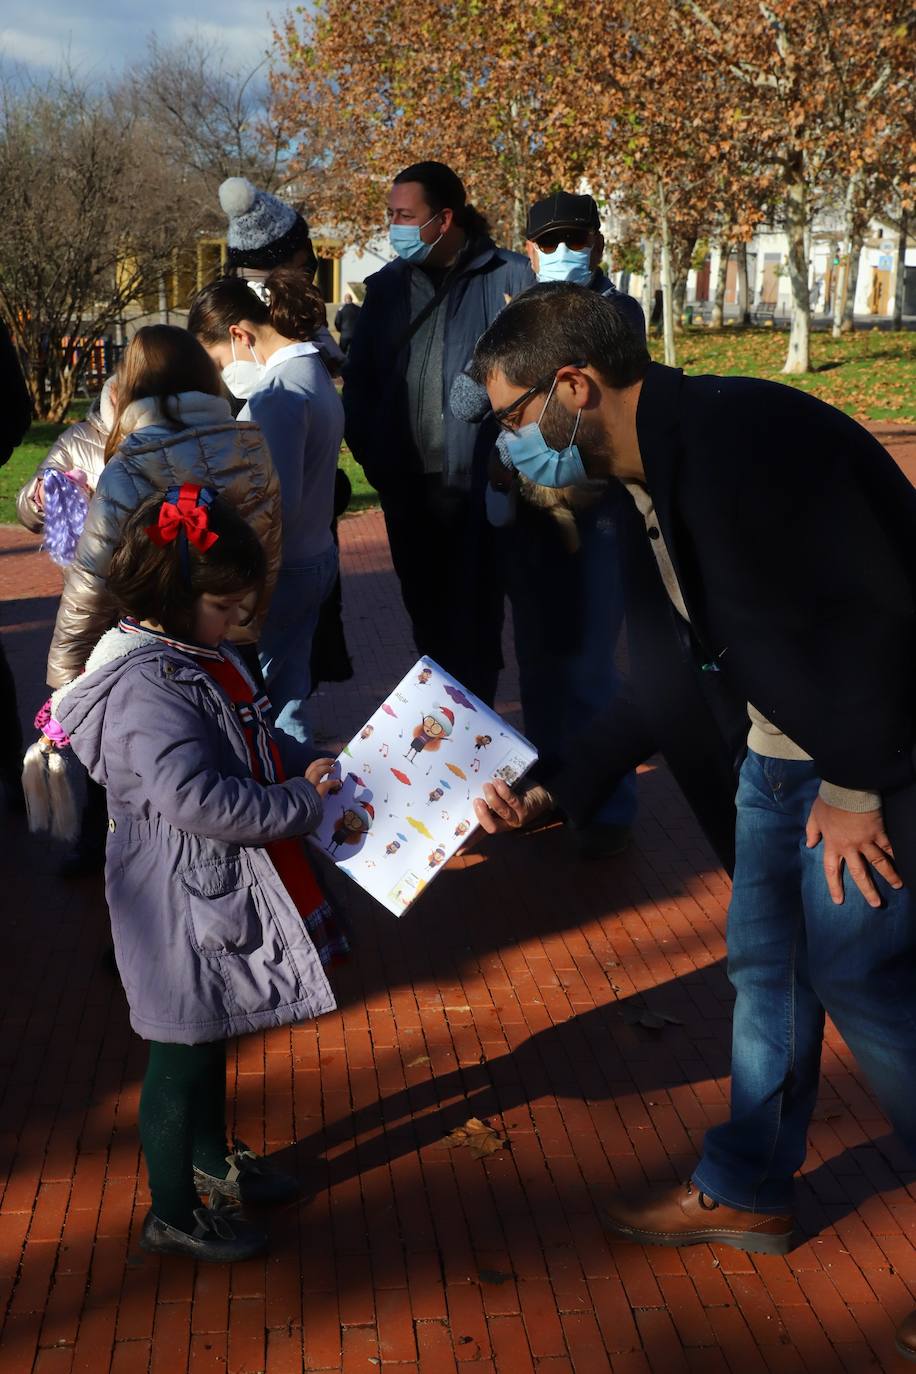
column 185, row 508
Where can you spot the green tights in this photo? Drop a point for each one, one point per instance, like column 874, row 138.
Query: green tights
column 183, row 1124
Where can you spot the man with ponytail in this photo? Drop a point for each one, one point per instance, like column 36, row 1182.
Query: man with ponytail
column 416, row 331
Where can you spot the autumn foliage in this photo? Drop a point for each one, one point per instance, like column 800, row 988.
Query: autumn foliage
column 695, row 119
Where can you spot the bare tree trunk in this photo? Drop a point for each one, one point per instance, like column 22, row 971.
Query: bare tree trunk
column 648, row 280
column 900, row 277
column 839, row 292
column 519, row 187
column 681, row 259
column 798, row 356
column 717, row 314
column 680, row 295
column 842, row 284
column 667, row 282
column 852, row 283
column 744, row 296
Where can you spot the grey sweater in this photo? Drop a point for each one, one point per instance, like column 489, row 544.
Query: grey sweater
column 425, row 371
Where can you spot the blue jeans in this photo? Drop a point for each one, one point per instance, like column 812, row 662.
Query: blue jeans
column 567, row 614
column 792, row 954
column 285, row 646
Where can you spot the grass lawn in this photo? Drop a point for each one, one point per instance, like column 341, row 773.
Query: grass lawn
column 870, row 374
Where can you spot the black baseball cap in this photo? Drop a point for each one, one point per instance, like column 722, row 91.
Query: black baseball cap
column 562, row 210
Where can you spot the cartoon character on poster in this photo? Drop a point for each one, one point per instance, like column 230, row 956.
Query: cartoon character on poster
column 366, row 731
column 434, row 728
column 424, row 675
column 462, row 828
column 435, row 794
column 436, row 856
column 481, row 741
column 353, row 824
column 392, row 847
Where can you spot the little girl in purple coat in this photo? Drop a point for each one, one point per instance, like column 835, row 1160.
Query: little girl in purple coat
column 218, row 922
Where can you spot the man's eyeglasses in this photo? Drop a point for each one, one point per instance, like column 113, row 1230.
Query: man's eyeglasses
column 573, row 238
column 508, row 416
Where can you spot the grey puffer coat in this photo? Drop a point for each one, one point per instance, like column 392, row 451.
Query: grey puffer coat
column 213, row 450
column 208, row 941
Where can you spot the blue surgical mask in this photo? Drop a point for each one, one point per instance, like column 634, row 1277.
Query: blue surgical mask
column 565, row 264
column 406, row 242
column 533, row 457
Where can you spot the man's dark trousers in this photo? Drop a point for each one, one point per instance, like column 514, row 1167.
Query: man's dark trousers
column 449, row 564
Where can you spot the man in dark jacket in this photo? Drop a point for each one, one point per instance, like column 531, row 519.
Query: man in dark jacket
column 15, row 418
column 777, row 563
column 345, row 321
column 564, row 573
column 564, row 242
column 420, row 319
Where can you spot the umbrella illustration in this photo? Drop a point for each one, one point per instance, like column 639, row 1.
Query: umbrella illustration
column 346, row 750
column 457, row 695
column 453, row 768
column 387, row 709
column 443, row 783
column 402, row 837
column 418, row 825
column 401, row 777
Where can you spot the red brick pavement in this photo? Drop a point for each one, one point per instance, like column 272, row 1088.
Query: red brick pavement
column 503, row 995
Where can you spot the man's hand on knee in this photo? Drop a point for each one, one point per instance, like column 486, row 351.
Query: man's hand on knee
column 858, row 839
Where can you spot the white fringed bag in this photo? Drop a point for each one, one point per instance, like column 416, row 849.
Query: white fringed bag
column 54, row 784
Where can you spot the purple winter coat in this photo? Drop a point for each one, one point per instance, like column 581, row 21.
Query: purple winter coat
column 208, row 942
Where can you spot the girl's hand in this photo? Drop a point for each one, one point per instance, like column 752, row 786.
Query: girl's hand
column 319, row 775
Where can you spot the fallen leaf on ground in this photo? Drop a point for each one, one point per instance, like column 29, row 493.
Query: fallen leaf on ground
column 480, row 1138
column 650, row 1020
column 493, row 1276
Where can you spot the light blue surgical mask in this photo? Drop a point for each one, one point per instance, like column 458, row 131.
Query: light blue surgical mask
column 533, row 457
column 565, row 264
column 406, row 242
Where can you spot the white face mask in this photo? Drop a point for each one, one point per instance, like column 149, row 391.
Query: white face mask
column 241, row 376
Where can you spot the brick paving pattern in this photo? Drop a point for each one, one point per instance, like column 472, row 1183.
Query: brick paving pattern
column 511, row 993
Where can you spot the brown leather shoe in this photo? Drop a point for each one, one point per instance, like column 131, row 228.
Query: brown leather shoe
column 684, row 1216
column 906, row 1337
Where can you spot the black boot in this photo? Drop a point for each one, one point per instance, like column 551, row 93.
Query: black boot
column 220, row 1236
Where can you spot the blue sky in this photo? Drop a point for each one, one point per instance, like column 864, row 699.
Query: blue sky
column 105, row 35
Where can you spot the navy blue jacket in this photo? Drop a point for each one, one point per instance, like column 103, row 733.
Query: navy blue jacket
column 629, row 306
column 375, row 375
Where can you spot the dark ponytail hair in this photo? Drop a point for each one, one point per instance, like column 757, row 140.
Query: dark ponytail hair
column 443, row 189
column 157, row 582
column 293, row 307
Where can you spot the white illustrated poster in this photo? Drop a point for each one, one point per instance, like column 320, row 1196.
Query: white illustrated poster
column 409, row 781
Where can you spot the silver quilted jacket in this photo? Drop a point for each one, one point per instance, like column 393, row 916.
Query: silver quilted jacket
column 230, row 457
column 81, row 448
